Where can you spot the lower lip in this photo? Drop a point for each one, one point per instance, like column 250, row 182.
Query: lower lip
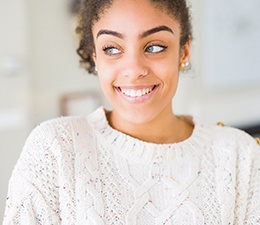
column 141, row 99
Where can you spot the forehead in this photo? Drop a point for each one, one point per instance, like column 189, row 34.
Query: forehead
column 134, row 15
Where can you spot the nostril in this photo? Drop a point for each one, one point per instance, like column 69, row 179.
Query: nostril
column 144, row 73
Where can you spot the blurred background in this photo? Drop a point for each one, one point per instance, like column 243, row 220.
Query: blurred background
column 40, row 75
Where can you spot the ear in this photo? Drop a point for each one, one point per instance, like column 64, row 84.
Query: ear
column 185, row 54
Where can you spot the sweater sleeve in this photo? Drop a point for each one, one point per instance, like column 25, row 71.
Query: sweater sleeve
column 253, row 207
column 33, row 188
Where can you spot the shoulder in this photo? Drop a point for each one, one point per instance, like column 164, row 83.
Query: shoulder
column 231, row 135
column 62, row 137
column 61, row 125
column 51, row 145
column 232, row 141
column 55, row 138
column 62, row 129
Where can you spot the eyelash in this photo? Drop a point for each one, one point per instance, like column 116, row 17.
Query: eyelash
column 164, row 47
column 106, row 48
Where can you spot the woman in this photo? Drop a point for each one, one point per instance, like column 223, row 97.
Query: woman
column 139, row 163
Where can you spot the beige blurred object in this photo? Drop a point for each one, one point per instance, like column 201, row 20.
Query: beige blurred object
column 80, row 103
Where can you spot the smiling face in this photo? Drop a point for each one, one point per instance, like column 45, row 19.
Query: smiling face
column 138, row 57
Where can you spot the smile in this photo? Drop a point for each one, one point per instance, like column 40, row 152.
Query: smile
column 136, row 92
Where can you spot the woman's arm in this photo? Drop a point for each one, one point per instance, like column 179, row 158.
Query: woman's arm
column 253, row 207
column 33, row 188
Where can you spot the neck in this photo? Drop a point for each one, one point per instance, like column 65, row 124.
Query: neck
column 166, row 128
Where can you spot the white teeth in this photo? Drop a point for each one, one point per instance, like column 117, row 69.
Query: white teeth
column 139, row 93
column 136, row 93
column 132, row 93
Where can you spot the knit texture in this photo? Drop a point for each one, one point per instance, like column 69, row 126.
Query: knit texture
column 79, row 170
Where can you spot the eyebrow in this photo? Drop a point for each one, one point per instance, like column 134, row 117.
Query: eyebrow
column 155, row 30
column 143, row 35
column 110, row 32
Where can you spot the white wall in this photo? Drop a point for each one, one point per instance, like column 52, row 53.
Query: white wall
column 54, row 64
column 236, row 106
column 39, row 35
column 51, row 69
column 14, row 123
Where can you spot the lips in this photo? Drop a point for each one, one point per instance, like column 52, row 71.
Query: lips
column 137, row 93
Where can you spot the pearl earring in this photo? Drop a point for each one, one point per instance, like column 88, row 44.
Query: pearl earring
column 185, row 66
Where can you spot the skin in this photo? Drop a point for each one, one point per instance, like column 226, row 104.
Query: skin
column 139, row 49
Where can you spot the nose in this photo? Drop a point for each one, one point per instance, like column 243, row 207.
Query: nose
column 134, row 65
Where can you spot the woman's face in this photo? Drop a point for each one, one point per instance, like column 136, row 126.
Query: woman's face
column 138, row 58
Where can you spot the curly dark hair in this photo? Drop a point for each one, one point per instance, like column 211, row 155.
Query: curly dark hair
column 91, row 11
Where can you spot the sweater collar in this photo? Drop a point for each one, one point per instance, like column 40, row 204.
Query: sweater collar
column 138, row 150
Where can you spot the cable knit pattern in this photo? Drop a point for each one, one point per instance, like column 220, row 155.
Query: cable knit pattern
column 78, row 170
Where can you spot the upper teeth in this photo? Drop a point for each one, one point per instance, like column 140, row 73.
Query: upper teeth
column 136, row 93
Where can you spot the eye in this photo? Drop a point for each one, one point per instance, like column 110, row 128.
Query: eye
column 111, row 50
column 155, row 48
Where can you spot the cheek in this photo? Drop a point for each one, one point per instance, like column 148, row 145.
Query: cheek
column 106, row 76
column 169, row 63
column 167, row 70
column 108, row 71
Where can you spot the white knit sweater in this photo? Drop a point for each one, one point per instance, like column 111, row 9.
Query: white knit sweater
column 78, row 170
